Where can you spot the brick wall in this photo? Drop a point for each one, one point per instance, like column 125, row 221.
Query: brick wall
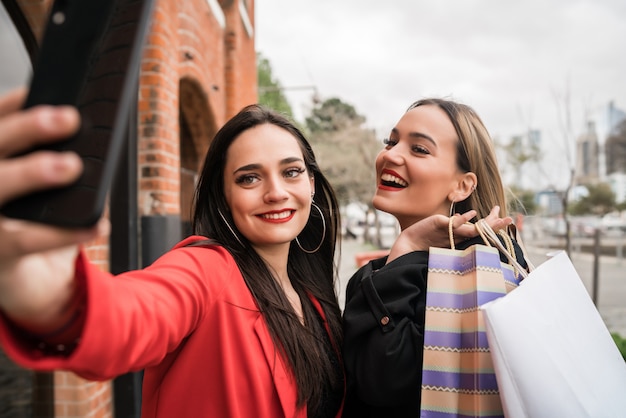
column 15, row 389
column 198, row 69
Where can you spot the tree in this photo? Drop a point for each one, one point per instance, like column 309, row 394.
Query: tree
column 270, row 91
column 333, row 115
column 599, row 201
column 346, row 151
column 564, row 114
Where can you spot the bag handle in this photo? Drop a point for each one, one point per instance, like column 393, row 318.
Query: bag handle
column 518, row 238
column 485, row 231
column 451, row 234
column 480, row 231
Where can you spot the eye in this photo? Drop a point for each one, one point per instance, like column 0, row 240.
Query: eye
column 294, row 172
column 390, row 142
column 246, row 179
column 419, row 149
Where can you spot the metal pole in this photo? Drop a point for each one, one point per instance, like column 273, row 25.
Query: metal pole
column 596, row 265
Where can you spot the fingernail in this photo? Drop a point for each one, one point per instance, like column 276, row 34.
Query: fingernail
column 54, row 116
column 66, row 163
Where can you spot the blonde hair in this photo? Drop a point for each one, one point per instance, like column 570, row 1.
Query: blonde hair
column 476, row 154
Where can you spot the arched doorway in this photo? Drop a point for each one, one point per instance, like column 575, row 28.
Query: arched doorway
column 197, row 128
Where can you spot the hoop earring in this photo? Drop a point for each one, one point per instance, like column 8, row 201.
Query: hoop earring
column 452, row 208
column 323, row 232
column 232, row 231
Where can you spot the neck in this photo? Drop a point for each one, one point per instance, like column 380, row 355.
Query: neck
column 276, row 258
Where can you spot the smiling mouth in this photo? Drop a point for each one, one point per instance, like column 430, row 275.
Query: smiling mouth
column 277, row 216
column 390, row 180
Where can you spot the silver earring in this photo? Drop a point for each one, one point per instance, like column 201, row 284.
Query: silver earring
column 232, row 231
column 323, row 232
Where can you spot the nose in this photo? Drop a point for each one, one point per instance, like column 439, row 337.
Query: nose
column 393, row 155
column 275, row 191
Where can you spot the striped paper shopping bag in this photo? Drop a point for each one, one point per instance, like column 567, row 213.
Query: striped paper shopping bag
column 458, row 379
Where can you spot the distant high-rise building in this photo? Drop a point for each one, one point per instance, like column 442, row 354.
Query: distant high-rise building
column 615, row 144
column 615, row 152
column 587, row 151
column 615, row 116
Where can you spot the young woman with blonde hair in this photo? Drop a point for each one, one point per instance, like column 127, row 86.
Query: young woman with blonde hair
column 438, row 162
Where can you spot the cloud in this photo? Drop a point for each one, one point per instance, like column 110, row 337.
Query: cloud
column 513, row 47
column 506, row 59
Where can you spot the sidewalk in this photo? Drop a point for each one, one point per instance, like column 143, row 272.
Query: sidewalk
column 611, row 297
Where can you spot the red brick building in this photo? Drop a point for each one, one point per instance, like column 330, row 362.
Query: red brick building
column 198, row 69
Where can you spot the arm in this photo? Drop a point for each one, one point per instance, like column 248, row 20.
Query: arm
column 44, row 280
column 133, row 320
column 383, row 359
column 37, row 261
column 433, row 231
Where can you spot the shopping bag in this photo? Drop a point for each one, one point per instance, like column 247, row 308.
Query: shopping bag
column 552, row 352
column 458, row 378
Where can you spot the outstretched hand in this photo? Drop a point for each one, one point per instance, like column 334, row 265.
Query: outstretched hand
column 36, row 260
column 434, row 232
column 19, row 131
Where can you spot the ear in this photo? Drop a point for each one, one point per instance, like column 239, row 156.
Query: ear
column 466, row 184
column 312, row 180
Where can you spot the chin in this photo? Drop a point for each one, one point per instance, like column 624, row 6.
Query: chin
column 383, row 204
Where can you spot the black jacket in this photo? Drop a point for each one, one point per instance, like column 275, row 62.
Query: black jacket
column 384, row 335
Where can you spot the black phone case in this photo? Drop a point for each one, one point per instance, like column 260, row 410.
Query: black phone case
column 89, row 58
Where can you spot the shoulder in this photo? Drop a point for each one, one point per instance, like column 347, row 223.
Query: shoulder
column 200, row 254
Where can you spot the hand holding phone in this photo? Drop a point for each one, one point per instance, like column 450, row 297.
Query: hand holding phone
column 89, row 58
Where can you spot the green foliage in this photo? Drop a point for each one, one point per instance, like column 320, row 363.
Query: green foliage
column 621, row 344
column 345, row 150
column 270, row 91
column 599, row 201
column 333, row 115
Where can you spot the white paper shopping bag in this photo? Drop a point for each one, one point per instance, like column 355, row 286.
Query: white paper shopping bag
column 552, row 352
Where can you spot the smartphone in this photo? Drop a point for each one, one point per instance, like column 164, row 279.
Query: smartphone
column 89, row 58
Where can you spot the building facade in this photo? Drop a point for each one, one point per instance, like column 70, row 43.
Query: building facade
column 587, row 154
column 197, row 70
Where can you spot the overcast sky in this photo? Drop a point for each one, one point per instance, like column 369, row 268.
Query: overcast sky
column 506, row 59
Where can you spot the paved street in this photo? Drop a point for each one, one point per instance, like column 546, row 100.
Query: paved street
column 611, row 284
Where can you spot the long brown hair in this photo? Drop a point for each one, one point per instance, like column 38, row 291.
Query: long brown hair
column 311, row 274
column 476, row 154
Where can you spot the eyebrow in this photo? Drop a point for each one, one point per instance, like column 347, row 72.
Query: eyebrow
column 284, row 161
column 416, row 135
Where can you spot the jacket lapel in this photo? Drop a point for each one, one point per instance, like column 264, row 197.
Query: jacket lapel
column 283, row 380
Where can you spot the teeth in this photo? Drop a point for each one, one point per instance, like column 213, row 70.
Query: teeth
column 281, row 215
column 393, row 179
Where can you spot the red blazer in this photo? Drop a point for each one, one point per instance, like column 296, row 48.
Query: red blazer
column 190, row 321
